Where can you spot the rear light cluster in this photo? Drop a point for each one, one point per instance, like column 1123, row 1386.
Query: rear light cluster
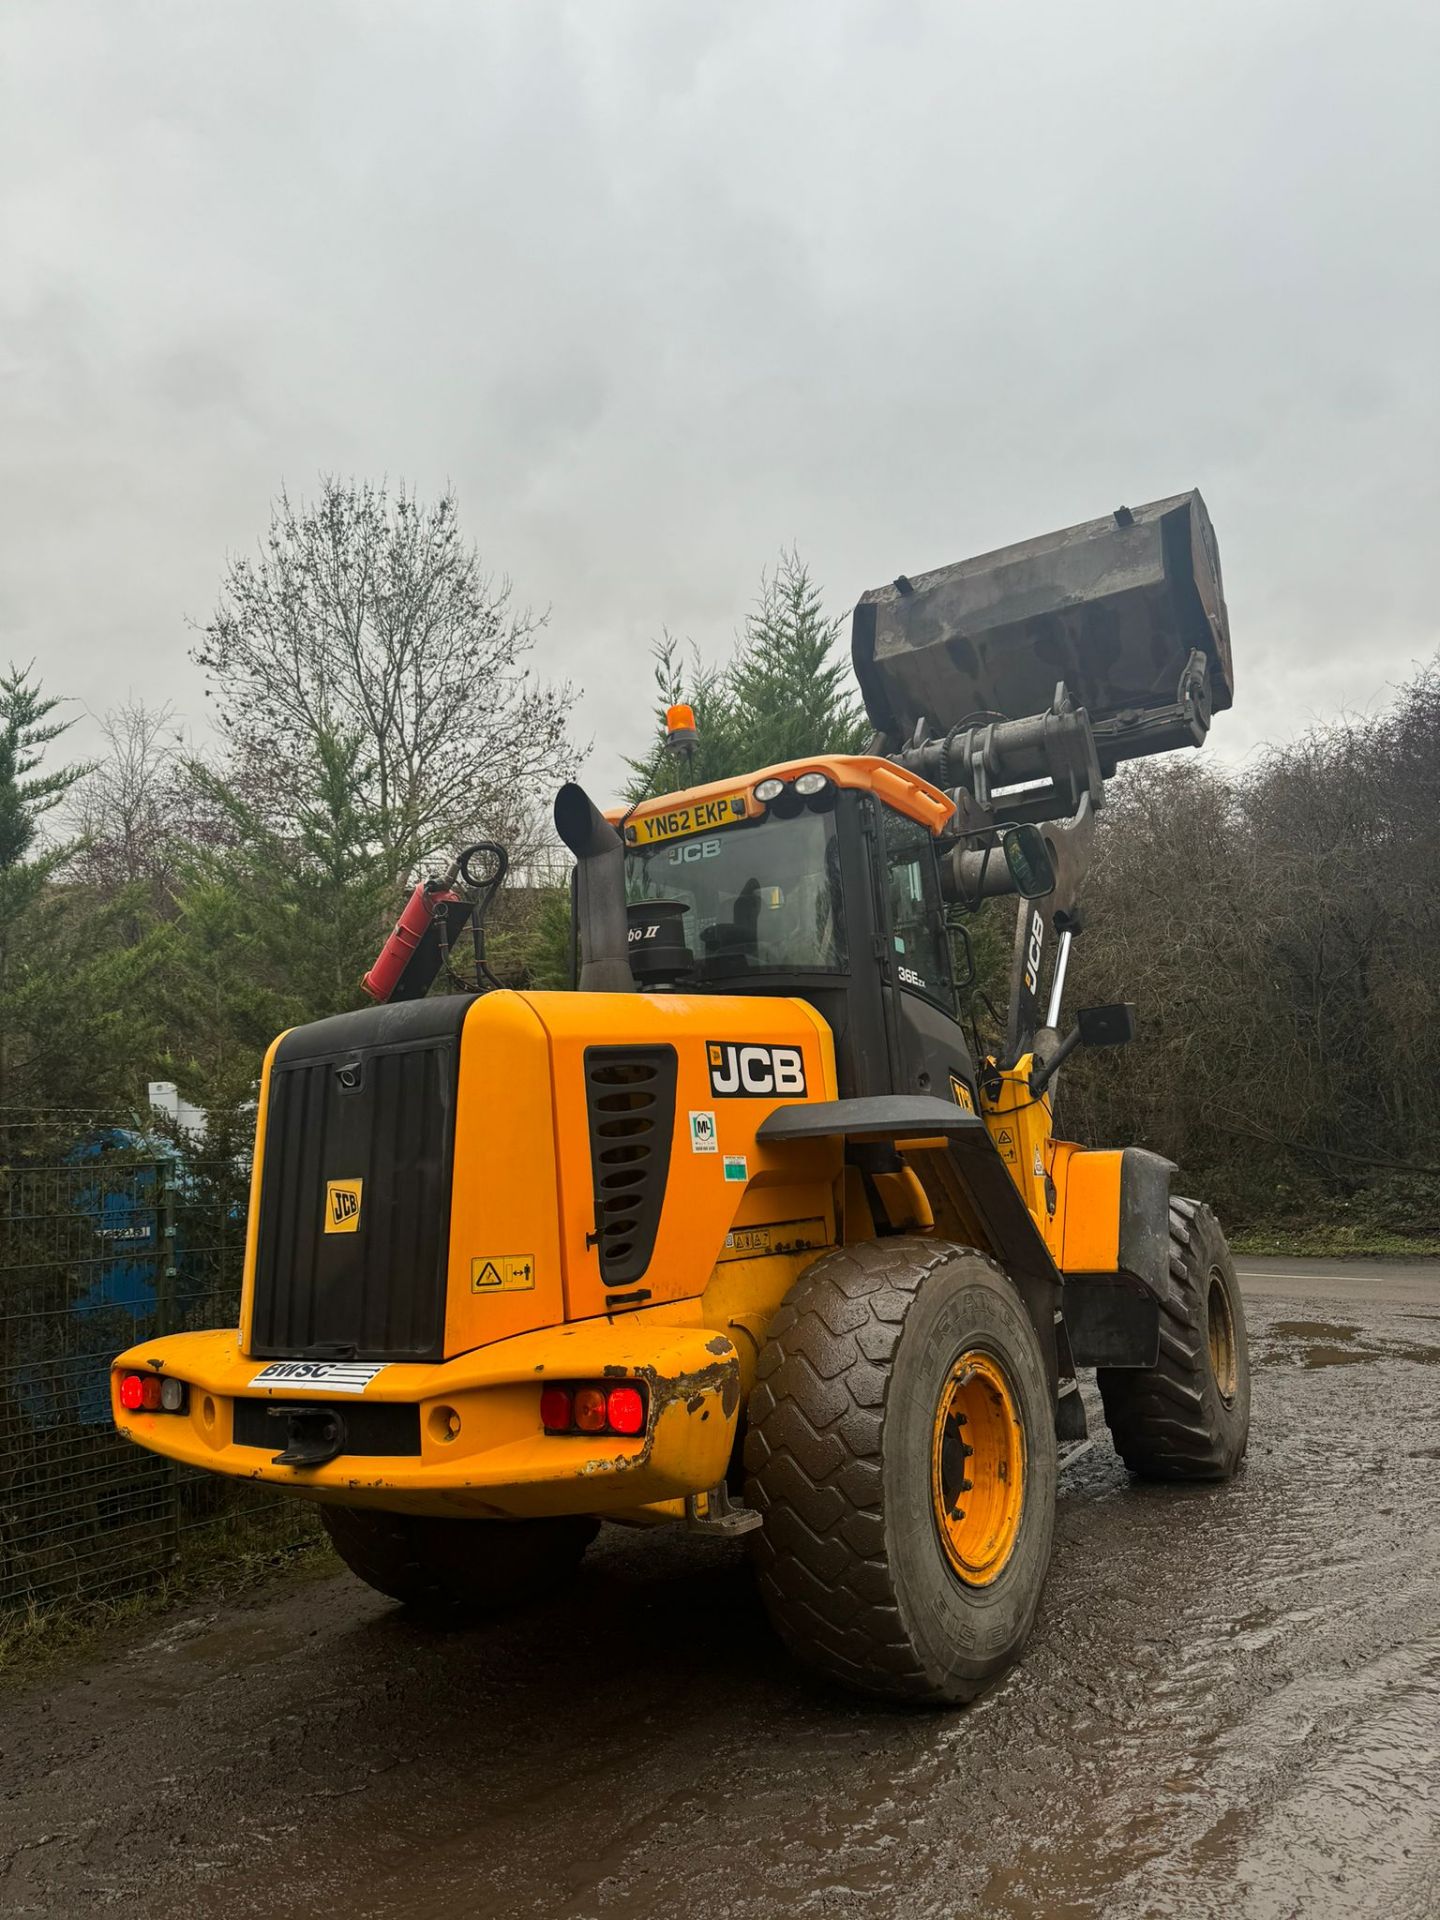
column 152, row 1393
column 601, row 1408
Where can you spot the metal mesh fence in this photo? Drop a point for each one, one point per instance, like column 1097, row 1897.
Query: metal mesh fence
column 108, row 1234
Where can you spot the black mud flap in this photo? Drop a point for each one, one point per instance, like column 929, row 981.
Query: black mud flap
column 1111, row 1322
column 1113, row 1319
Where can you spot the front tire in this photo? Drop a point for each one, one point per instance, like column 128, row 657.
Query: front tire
column 452, row 1571
column 1188, row 1416
column 901, row 1450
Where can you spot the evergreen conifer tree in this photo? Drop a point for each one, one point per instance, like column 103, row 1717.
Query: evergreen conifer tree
column 71, row 1032
column 784, row 693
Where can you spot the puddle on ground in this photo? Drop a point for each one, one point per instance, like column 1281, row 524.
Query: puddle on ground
column 1231, row 1705
column 1323, row 1344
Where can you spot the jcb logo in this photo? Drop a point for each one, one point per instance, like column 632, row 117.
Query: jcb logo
column 750, row 1070
column 342, row 1206
column 1033, row 948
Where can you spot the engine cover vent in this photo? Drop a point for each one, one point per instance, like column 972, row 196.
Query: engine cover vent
column 630, row 1101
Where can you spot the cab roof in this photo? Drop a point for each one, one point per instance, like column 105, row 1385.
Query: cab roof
column 904, row 791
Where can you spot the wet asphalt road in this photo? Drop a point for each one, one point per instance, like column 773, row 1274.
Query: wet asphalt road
column 1231, row 1705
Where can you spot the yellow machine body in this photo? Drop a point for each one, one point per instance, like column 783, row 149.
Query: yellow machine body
column 739, row 1221
column 525, row 1299
column 727, row 1253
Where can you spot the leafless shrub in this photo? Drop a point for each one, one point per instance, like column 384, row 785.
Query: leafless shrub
column 1279, row 932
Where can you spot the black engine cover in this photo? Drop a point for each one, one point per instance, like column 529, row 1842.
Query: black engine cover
column 355, row 1187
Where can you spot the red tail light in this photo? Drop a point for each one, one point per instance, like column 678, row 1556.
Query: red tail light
column 594, row 1408
column 152, row 1393
column 555, row 1409
column 626, row 1410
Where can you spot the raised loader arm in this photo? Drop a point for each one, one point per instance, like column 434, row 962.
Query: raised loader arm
column 1020, row 680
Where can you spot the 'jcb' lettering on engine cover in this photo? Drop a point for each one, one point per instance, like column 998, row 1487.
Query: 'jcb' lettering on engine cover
column 747, row 1071
column 342, row 1206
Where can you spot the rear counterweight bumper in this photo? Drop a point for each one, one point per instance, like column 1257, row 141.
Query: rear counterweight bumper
column 477, row 1445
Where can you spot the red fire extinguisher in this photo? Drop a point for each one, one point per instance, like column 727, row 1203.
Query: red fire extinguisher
column 410, row 958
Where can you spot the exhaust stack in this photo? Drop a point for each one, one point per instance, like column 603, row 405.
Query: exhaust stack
column 600, row 877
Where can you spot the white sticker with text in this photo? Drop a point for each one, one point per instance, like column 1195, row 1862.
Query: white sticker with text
column 335, row 1376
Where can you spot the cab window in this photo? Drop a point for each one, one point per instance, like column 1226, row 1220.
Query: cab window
column 919, row 949
column 759, row 897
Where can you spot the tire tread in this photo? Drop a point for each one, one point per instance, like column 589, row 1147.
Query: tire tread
column 813, row 1460
column 1160, row 1417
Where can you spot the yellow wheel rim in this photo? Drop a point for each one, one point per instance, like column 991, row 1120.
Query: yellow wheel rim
column 977, row 1468
column 1223, row 1345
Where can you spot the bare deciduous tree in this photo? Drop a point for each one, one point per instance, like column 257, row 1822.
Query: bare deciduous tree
column 369, row 617
column 1279, row 931
column 128, row 813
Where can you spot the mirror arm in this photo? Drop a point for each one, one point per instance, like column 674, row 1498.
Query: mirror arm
column 1045, row 1070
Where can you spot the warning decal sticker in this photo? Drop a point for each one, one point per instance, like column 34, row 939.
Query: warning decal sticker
column 780, row 1236
column 1005, row 1141
column 502, row 1273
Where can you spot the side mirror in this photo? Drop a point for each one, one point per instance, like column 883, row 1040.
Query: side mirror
column 1028, row 858
column 1106, row 1026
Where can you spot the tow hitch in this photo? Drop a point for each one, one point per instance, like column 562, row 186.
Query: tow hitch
column 313, row 1435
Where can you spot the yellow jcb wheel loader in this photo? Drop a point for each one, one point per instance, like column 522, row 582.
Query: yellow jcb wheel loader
column 741, row 1234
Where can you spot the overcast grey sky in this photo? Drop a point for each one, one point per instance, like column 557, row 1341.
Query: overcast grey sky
column 663, row 286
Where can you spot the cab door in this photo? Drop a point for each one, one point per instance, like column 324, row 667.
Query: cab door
column 929, row 1050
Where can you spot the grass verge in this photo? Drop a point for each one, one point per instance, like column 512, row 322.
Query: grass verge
column 221, row 1565
column 1340, row 1242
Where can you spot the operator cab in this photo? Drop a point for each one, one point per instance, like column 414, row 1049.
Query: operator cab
column 797, row 882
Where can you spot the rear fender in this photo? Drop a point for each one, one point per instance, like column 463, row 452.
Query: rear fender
column 971, row 1194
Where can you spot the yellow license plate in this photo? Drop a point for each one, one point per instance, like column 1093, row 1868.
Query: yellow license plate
column 700, row 816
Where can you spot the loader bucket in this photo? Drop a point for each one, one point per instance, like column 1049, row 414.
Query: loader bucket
column 1114, row 608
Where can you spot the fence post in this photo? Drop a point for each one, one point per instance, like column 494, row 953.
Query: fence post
column 166, row 1270
column 167, row 1314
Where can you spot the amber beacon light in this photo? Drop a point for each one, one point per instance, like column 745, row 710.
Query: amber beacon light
column 681, row 733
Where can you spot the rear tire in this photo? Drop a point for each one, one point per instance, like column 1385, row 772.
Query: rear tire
column 894, row 1557
column 451, row 1571
column 1188, row 1417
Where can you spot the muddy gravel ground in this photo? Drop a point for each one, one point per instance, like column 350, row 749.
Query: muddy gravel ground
column 1231, row 1705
